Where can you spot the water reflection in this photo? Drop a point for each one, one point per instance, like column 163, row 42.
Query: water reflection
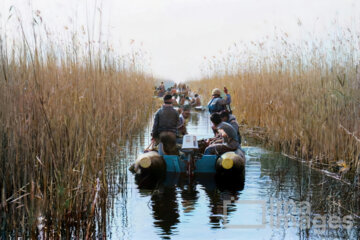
column 194, row 118
column 166, row 194
column 165, row 209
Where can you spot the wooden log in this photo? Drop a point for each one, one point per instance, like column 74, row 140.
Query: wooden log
column 231, row 164
column 149, row 163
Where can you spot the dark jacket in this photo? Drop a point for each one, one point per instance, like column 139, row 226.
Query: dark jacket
column 232, row 121
column 166, row 119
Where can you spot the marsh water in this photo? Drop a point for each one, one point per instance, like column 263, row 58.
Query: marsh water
column 280, row 199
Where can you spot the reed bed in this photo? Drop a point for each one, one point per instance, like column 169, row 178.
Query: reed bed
column 300, row 98
column 62, row 107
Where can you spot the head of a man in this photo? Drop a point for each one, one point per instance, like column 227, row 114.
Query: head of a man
column 167, row 99
column 215, row 119
column 225, row 115
column 216, row 92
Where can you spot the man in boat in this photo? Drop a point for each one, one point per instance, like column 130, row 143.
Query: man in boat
column 217, row 103
column 187, row 101
column 227, row 139
column 196, row 102
column 182, row 100
column 173, row 90
column 227, row 100
column 165, row 125
column 231, row 119
column 183, row 117
column 174, row 102
column 161, row 89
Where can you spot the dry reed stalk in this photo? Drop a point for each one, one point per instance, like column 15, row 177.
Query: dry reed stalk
column 92, row 208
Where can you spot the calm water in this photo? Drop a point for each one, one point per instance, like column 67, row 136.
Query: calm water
column 276, row 190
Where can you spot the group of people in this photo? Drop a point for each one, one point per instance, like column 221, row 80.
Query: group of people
column 225, row 126
column 176, row 89
column 170, row 125
column 181, row 95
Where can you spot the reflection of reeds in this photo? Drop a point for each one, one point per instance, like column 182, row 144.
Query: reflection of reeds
column 60, row 110
column 298, row 93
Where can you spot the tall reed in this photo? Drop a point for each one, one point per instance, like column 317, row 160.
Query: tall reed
column 303, row 95
column 61, row 107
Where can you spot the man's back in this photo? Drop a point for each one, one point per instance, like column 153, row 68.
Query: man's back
column 216, row 104
column 229, row 130
column 233, row 122
column 166, row 119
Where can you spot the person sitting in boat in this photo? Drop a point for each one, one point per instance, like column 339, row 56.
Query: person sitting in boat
column 166, row 121
column 217, row 103
column 174, row 102
column 196, row 102
column 227, row 139
column 161, row 89
column 182, row 100
column 183, row 117
column 187, row 101
column 187, row 91
column 231, row 119
column 173, row 90
column 227, row 100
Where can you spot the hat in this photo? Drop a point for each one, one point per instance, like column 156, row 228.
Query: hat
column 186, row 108
column 224, row 113
column 167, row 98
column 216, row 91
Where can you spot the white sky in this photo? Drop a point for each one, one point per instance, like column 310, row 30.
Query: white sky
column 177, row 34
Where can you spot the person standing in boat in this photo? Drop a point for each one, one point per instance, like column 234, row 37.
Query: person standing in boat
column 227, row 100
column 226, row 141
column 217, row 103
column 166, row 121
column 231, row 119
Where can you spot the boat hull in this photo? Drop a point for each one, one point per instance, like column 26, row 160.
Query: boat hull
column 162, row 164
column 206, row 164
column 178, row 164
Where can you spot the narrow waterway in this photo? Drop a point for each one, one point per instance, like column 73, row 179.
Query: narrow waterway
column 280, row 199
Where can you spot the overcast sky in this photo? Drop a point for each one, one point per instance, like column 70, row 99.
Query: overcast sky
column 177, row 34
